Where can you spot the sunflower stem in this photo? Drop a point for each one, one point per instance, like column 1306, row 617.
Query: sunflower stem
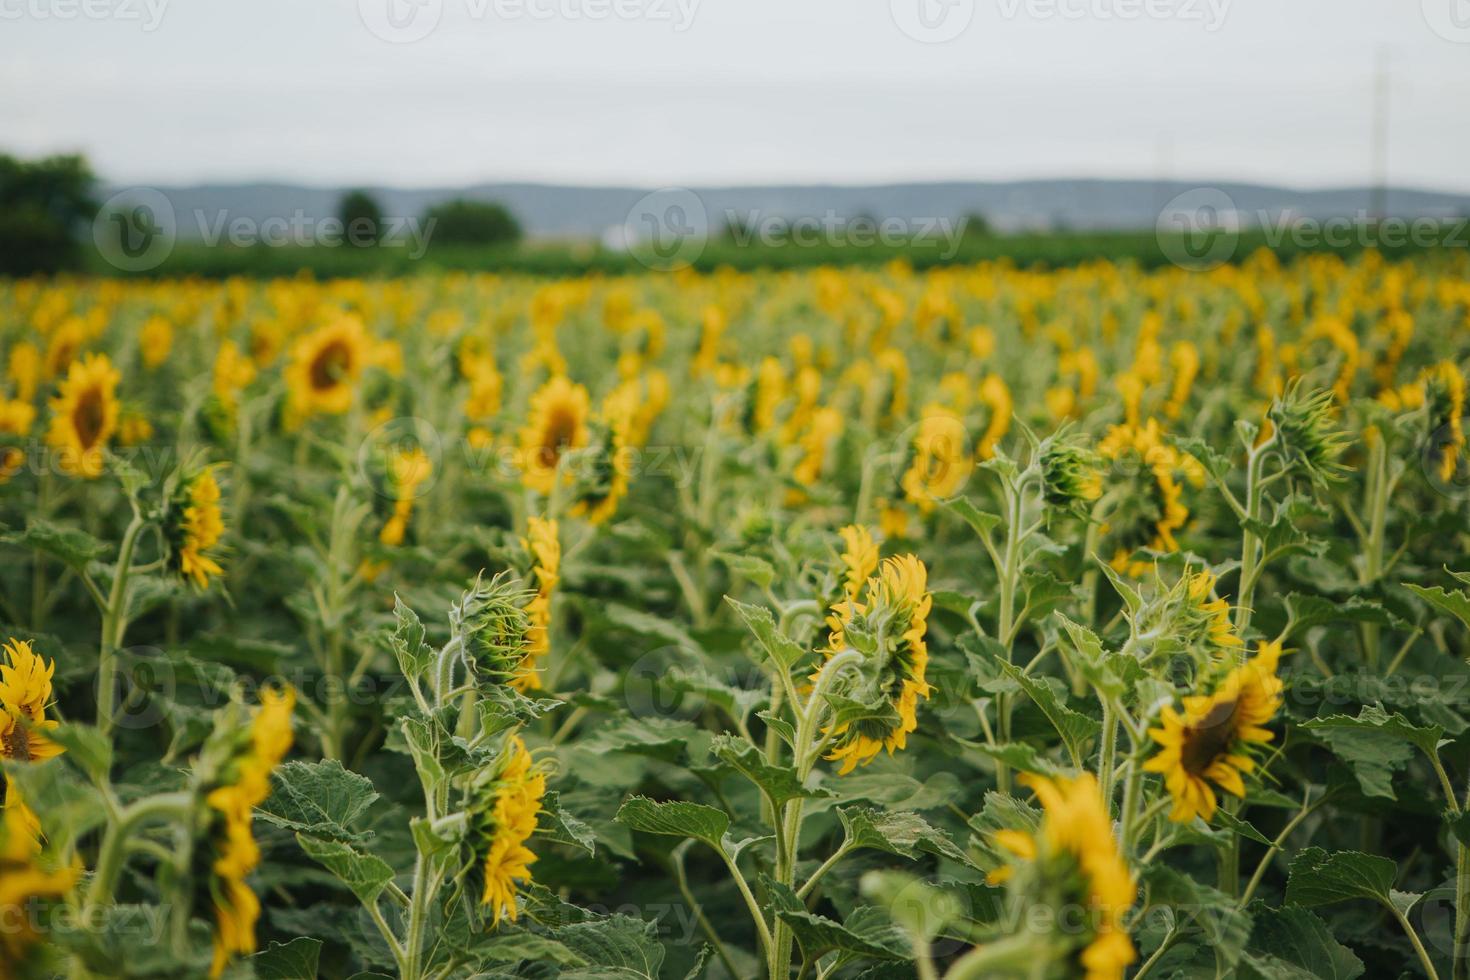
column 113, row 854
column 114, row 622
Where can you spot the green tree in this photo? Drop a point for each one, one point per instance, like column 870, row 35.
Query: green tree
column 44, row 205
column 362, row 218
column 462, row 222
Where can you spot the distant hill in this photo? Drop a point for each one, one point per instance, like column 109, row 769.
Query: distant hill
column 549, row 211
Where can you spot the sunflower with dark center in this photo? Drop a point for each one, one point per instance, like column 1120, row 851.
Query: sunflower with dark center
column 557, row 425
column 321, row 377
column 1207, row 747
column 25, row 694
column 84, row 416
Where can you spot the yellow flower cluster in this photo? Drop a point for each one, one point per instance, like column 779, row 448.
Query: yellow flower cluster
column 199, row 529
column 513, row 806
column 236, row 907
column 896, row 606
column 25, row 694
column 543, row 543
column 1075, row 845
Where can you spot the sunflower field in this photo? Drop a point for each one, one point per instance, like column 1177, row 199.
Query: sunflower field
column 980, row 621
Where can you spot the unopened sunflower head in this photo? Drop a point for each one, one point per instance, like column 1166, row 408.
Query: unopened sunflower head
column 1207, row 748
column 887, row 628
column 1071, row 865
column 492, row 626
column 1071, row 476
column 504, row 803
column 1305, row 426
column 1205, row 617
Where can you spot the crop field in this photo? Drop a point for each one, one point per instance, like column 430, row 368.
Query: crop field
column 976, row 621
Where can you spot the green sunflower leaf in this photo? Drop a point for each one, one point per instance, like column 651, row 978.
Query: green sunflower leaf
column 364, row 874
column 296, row 960
column 779, row 783
column 785, row 651
column 320, row 799
column 675, row 818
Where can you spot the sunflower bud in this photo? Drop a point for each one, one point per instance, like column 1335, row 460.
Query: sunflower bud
column 1070, row 475
column 492, row 625
column 1305, row 425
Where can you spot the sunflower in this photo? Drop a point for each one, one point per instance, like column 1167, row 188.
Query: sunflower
column 1071, row 476
column 483, row 400
column 232, row 372
column 558, row 424
column 824, row 427
column 604, row 482
column 407, row 471
column 84, row 416
column 1209, row 743
column 1212, row 614
column 504, row 811
column 770, row 389
column 859, row 561
column 939, row 465
column 1072, row 860
column 895, row 613
column 1445, row 387
column 545, row 548
column 24, row 880
column 195, row 526
column 236, row 854
column 16, row 418
column 25, row 693
column 1185, row 360
column 63, row 345
column 997, row 398
column 324, row 367
column 155, row 341
column 1149, row 518
column 24, row 368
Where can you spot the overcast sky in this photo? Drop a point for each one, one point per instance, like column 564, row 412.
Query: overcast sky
column 657, row 92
